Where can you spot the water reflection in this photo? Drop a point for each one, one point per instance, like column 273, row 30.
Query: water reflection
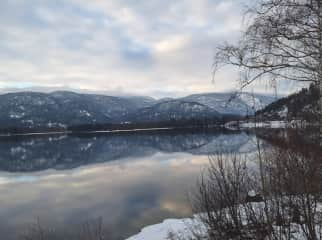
column 65, row 152
column 127, row 194
column 130, row 180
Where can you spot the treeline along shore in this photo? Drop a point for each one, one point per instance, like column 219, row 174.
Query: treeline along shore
column 127, row 126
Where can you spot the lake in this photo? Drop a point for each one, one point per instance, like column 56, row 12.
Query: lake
column 129, row 180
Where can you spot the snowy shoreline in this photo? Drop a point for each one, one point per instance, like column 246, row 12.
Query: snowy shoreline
column 268, row 124
column 234, row 125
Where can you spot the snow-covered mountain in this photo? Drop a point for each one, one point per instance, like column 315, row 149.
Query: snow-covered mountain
column 174, row 110
column 60, row 109
column 227, row 103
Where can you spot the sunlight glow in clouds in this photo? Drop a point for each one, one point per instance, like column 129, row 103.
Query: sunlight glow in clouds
column 158, row 47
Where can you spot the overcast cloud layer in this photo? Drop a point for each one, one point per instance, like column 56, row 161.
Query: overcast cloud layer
column 157, row 47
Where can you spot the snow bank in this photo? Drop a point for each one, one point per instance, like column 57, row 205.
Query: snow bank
column 162, row 231
column 182, row 228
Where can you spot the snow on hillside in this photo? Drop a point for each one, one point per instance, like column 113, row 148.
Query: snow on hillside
column 37, row 110
column 227, row 103
column 302, row 105
column 174, row 109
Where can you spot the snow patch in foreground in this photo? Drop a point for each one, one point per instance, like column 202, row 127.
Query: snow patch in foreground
column 162, row 231
column 182, row 228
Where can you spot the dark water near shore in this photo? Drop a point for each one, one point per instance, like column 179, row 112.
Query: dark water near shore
column 129, row 180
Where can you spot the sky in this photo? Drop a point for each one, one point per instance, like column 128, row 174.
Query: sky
column 160, row 48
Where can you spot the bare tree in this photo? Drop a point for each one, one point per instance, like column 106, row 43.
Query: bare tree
column 283, row 40
column 286, row 206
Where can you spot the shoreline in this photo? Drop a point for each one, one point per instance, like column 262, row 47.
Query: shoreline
column 230, row 126
column 68, row 132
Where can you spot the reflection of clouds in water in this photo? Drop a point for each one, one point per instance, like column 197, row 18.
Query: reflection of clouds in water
column 6, row 180
column 82, row 173
column 195, row 160
column 130, row 192
column 147, row 182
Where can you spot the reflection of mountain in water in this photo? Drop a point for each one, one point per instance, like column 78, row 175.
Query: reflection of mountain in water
column 63, row 152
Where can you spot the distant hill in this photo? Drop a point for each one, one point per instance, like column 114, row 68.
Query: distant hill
column 174, row 110
column 61, row 109
column 300, row 106
column 241, row 104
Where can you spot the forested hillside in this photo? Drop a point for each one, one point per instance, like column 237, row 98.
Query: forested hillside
column 299, row 106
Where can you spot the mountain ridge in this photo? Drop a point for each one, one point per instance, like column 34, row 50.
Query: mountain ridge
column 61, row 109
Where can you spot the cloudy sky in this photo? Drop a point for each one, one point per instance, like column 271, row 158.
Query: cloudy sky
column 153, row 47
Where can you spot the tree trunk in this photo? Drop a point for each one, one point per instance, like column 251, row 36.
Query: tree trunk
column 320, row 109
column 319, row 16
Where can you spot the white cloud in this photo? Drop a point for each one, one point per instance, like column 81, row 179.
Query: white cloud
column 171, row 44
column 155, row 47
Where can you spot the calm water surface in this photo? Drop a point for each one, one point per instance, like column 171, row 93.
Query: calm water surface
column 130, row 180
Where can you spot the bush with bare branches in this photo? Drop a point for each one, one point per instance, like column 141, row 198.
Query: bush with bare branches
column 287, row 204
